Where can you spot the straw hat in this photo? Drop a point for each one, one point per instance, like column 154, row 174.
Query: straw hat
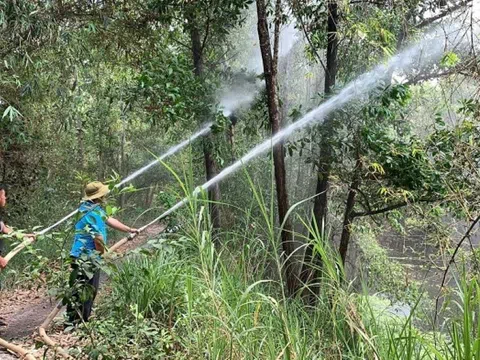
column 95, row 190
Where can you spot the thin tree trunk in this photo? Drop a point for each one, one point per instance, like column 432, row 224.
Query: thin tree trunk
column 123, row 170
column 348, row 216
column 320, row 208
column 101, row 168
column 80, row 144
column 231, row 140
column 210, row 166
column 270, row 63
column 311, row 271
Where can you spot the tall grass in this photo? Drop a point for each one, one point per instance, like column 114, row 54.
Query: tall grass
column 221, row 295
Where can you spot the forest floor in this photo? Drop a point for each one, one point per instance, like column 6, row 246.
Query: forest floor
column 24, row 310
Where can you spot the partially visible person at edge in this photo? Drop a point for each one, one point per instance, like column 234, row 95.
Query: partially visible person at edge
column 88, row 246
column 4, row 229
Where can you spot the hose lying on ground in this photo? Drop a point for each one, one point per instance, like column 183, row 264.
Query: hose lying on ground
column 42, row 329
column 19, row 248
column 46, row 339
column 21, row 352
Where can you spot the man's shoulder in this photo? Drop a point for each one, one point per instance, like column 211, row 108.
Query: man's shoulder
column 99, row 213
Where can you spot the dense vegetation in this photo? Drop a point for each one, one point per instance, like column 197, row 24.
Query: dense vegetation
column 293, row 257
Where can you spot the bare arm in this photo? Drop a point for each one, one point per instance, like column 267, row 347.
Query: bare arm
column 3, row 263
column 8, row 230
column 117, row 225
column 5, row 229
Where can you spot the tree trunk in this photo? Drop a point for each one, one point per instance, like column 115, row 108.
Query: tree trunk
column 348, row 215
column 231, row 140
column 80, row 144
column 123, row 170
column 101, row 153
column 270, row 64
column 311, row 271
column 320, row 208
column 210, row 166
column 214, row 190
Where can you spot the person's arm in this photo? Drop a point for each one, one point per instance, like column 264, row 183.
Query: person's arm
column 5, row 229
column 117, row 225
column 3, row 263
column 99, row 244
column 8, row 230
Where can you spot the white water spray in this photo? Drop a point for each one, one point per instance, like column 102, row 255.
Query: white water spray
column 44, row 231
column 242, row 93
column 203, row 131
column 425, row 53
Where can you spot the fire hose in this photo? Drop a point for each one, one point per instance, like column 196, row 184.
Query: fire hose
column 42, row 330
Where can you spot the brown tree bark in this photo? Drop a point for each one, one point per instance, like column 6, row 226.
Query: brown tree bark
column 270, row 67
column 311, row 270
column 210, row 165
column 349, row 214
column 320, row 207
column 123, row 163
column 80, row 144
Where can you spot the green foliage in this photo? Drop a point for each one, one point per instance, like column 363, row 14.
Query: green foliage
column 127, row 337
column 142, row 282
column 89, row 90
column 379, row 272
column 450, row 59
column 208, row 303
column 169, row 86
column 219, row 15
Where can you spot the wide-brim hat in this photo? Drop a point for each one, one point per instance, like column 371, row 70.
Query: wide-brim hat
column 95, row 190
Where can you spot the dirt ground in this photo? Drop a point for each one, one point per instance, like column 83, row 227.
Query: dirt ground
column 25, row 310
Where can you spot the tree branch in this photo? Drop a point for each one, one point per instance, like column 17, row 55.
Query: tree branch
column 207, row 31
column 315, row 52
column 426, row 77
column 390, row 208
column 355, row 2
column 452, row 260
column 444, row 13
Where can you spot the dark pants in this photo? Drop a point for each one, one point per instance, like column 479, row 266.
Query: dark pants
column 84, row 282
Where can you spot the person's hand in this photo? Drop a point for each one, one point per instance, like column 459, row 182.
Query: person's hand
column 31, row 236
column 3, row 263
column 133, row 230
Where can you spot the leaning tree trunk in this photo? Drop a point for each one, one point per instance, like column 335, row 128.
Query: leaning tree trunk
column 270, row 66
column 210, row 166
column 310, row 274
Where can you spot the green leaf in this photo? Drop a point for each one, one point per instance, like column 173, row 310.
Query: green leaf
column 450, row 59
column 11, row 113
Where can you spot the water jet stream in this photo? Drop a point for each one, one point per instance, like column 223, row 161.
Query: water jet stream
column 203, row 131
column 426, row 52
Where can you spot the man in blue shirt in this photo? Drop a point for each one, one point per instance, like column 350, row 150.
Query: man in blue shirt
column 88, row 246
